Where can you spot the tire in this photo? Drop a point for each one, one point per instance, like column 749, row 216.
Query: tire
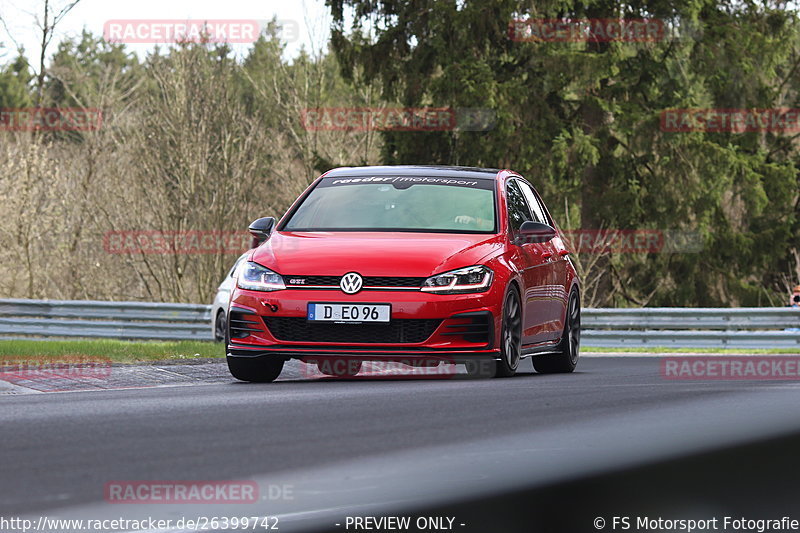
column 264, row 369
column 566, row 357
column 220, row 325
column 510, row 336
column 255, row 369
column 340, row 368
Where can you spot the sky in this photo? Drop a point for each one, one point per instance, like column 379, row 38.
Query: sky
column 305, row 22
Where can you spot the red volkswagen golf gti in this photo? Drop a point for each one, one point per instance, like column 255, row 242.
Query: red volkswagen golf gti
column 412, row 264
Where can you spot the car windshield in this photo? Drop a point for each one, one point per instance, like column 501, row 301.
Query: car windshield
column 397, row 203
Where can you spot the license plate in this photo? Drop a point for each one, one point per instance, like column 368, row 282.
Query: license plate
column 329, row 312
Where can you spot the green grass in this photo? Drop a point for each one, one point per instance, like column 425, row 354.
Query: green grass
column 106, row 349
column 664, row 350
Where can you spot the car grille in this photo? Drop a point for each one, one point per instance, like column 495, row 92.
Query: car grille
column 369, row 281
column 401, row 331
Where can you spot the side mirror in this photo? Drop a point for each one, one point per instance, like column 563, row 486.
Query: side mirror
column 536, row 232
column 260, row 230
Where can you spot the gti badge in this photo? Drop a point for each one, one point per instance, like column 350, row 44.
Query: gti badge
column 351, row 283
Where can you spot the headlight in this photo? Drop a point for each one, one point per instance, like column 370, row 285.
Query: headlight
column 255, row 277
column 476, row 278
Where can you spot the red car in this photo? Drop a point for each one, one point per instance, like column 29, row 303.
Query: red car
column 415, row 264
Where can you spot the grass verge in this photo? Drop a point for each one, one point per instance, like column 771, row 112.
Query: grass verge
column 107, row 349
column 665, row 350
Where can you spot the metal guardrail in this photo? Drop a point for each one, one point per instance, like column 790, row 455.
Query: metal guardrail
column 738, row 318
column 112, row 320
column 678, row 327
column 755, row 327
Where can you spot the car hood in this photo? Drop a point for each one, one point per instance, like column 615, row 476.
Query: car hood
column 372, row 253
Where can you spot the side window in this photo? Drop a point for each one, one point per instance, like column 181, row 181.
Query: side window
column 518, row 211
column 539, row 214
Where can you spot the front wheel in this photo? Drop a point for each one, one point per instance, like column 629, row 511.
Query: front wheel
column 255, row 369
column 511, row 336
column 566, row 357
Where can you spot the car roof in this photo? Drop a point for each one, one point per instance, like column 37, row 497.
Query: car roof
column 416, row 170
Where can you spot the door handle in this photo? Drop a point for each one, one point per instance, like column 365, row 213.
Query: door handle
column 547, row 255
column 562, row 253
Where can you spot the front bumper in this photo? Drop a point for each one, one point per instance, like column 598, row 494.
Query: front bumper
column 424, row 326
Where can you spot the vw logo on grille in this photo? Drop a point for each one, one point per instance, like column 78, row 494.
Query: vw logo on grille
column 351, row 283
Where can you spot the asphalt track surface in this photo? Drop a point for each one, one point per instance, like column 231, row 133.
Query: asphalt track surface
column 322, row 449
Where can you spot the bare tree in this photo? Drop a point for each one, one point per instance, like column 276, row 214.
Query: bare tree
column 197, row 163
column 27, row 173
column 790, row 278
column 591, row 265
column 46, row 21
